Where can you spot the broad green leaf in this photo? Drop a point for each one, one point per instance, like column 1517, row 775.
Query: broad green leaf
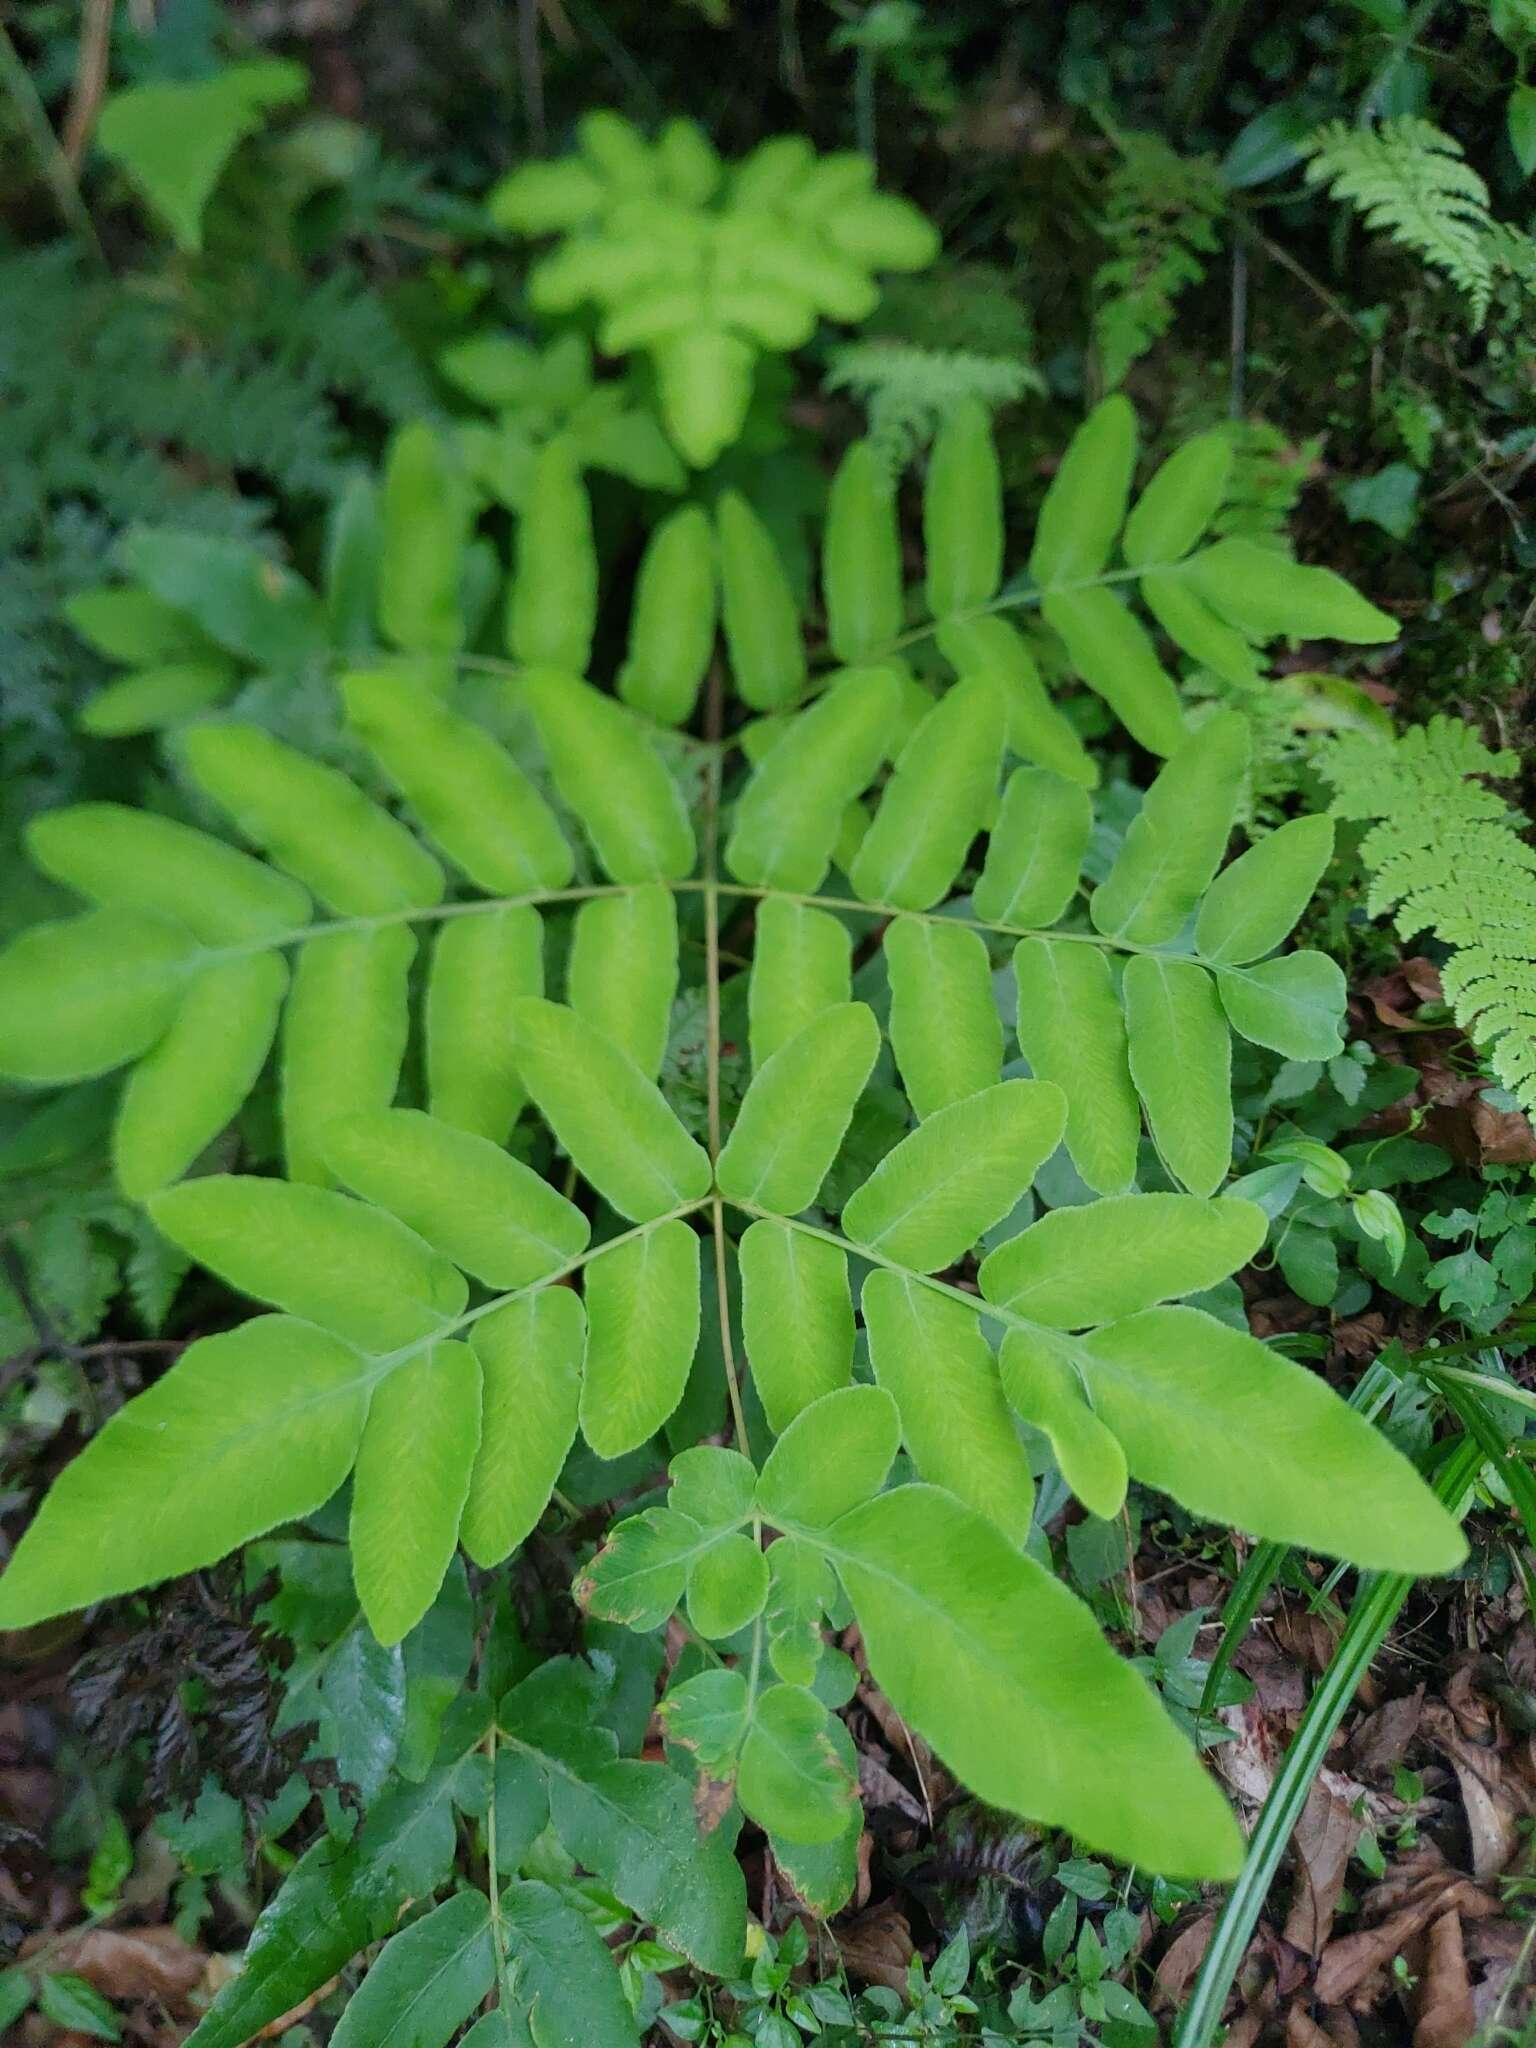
column 712, row 1486
column 135, row 860
column 468, row 792
column 1112, row 651
column 1195, row 629
column 312, row 820
column 480, row 965
column 82, row 996
column 793, row 1778
column 967, row 1638
column 1177, row 838
column 1086, row 502
column 246, row 1430
column 638, row 1576
column 606, row 769
column 727, row 1586
column 757, row 609
column 1242, row 1435
column 642, row 1330
column 1294, row 1005
column 132, row 625
column 173, row 137
column 824, row 1874
column 861, row 557
column 1047, row 1392
column 467, row 1198
column 354, row 543
column 610, row 1119
column 1181, row 1062
column 1268, row 596
column 411, row 1483
column 427, row 1982
column 801, row 965
column 1035, row 851
column 530, row 1354
column 800, row 1590
column 1071, row 1029
column 622, row 974
column 957, row 1174
column 552, row 598
column 565, row 1974
column 427, row 518
column 795, row 1114
column 155, row 699
column 672, row 625
column 706, row 1715
column 633, row 1825
column 963, row 512
column 1104, row 1260
column 1037, row 731
column 790, row 813
column 1253, row 904
column 327, row 1909
column 834, row 1454
column 946, row 1031
column 189, row 1085
column 936, row 802
column 339, row 1263
column 344, row 1036
column 234, row 592
column 1183, row 497
column 356, row 1696
column 796, row 1317
column 930, row 1356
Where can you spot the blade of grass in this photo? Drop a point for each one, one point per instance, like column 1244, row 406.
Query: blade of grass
column 1376, row 1608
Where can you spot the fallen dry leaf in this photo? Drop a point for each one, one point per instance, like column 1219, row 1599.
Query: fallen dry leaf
column 1183, row 1956
column 1444, row 1997
column 1301, row 2031
column 1493, row 1803
column 130, row 1962
column 1504, row 1136
column 1350, row 1960
column 1381, row 1741
column 877, row 1947
column 1322, row 1845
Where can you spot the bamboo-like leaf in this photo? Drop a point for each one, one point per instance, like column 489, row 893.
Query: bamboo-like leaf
column 339, row 1263
column 480, row 966
column 344, row 1036
column 607, row 771
column 963, row 512
column 136, row 860
column 1181, row 1062
column 795, row 1114
column 801, row 965
column 672, row 627
column 962, row 1170
column 189, row 1085
column 552, row 599
column 1108, row 1259
column 1182, row 1392
column 1086, row 502
column 796, row 1316
column 1266, row 595
column 929, row 1354
column 467, row 1198
column 936, row 802
column 861, row 558
column 411, row 1483
column 758, row 609
column 1253, row 904
column 80, row 997
column 466, row 789
column 834, row 1454
column 1177, row 838
column 530, row 1354
column 1294, row 1005
column 1193, row 627
column 642, row 1330
column 1179, row 503
column 1071, row 1029
column 622, row 975
column 610, row 1119
column 945, row 1028
column 245, row 1431
column 1035, row 852
column 313, row 821
column 1112, row 651
column 1048, row 1392
column 427, row 519
column 790, row 813
column 1037, row 731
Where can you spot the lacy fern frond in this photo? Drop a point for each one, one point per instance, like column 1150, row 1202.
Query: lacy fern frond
column 908, row 392
column 1160, row 216
column 1408, row 177
column 1447, row 856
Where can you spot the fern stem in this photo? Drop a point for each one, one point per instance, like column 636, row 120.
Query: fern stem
column 493, row 1878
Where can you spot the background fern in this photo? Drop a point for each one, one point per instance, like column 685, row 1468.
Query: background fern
column 1159, row 216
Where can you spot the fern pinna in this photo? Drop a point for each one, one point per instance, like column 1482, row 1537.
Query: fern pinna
column 463, row 1295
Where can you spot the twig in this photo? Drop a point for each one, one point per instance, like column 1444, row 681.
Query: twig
column 52, row 162
column 90, row 80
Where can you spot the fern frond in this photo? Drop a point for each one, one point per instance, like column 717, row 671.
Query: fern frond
column 1446, row 856
column 1159, row 219
column 908, row 392
column 1408, row 177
